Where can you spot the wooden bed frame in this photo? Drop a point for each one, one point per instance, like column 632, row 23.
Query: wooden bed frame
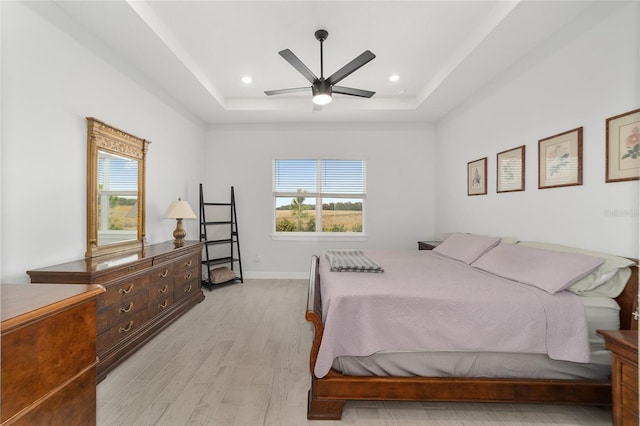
column 328, row 395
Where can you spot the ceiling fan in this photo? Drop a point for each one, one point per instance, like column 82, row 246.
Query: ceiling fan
column 321, row 88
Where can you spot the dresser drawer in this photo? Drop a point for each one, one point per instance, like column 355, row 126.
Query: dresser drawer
column 629, row 375
column 122, row 330
column 116, row 273
column 629, row 388
column 628, row 417
column 161, row 283
column 41, row 356
column 122, row 291
column 125, row 310
column 160, row 305
column 189, row 261
column 188, row 276
column 172, row 256
column 76, row 400
column 186, row 288
column 630, row 404
column 186, row 282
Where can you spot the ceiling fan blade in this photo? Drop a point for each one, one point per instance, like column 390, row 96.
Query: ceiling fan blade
column 284, row 91
column 353, row 92
column 343, row 72
column 297, row 64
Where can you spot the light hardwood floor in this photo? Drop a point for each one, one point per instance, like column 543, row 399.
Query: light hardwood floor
column 241, row 357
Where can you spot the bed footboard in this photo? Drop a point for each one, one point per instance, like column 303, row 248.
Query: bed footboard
column 318, row 408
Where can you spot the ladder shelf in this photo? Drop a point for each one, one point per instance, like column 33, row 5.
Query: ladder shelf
column 210, row 231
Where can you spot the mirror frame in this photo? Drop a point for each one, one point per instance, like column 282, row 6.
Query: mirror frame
column 101, row 136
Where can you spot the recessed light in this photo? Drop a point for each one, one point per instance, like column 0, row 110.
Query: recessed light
column 247, row 79
column 394, row 77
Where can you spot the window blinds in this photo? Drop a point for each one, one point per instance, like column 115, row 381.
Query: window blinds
column 117, row 174
column 320, row 178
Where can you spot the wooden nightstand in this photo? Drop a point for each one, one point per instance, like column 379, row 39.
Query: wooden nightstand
column 624, row 375
column 428, row 245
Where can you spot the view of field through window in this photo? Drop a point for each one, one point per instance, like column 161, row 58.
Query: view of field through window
column 123, row 214
column 299, row 215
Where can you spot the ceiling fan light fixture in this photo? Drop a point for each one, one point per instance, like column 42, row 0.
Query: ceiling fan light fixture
column 321, row 93
column 321, row 99
column 322, row 89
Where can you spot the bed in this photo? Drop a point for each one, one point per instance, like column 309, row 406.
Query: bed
column 345, row 366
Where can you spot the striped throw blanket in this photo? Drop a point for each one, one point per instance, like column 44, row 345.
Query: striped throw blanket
column 351, row 261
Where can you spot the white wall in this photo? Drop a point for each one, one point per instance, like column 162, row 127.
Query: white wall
column 50, row 83
column 579, row 78
column 400, row 185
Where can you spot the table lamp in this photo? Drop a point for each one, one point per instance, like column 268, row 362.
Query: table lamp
column 179, row 210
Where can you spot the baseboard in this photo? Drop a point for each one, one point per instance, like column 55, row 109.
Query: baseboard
column 262, row 275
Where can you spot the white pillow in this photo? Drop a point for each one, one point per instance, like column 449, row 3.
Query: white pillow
column 548, row 270
column 609, row 278
column 611, row 288
column 466, row 247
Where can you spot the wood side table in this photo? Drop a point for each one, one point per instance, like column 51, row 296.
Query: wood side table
column 624, row 375
column 428, row 245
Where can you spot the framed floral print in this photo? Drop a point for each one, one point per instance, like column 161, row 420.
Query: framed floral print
column 510, row 170
column 560, row 160
column 623, row 147
column 477, row 177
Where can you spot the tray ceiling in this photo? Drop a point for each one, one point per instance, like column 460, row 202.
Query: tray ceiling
column 194, row 53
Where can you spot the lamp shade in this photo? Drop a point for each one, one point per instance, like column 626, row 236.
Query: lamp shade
column 179, row 210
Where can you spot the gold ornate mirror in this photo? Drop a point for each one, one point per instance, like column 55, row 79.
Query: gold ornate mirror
column 115, row 190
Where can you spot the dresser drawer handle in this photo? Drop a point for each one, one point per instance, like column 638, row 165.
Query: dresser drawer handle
column 188, row 289
column 128, row 308
column 163, row 289
column 188, row 276
column 164, row 304
column 126, row 290
column 127, row 328
column 165, row 273
column 131, row 268
column 189, row 263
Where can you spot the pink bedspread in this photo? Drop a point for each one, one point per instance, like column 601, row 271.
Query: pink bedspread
column 424, row 301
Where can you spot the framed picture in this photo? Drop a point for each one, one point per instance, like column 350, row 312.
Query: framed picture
column 623, row 147
column 510, row 170
column 560, row 160
column 477, row 177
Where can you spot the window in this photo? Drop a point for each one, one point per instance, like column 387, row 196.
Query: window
column 319, row 196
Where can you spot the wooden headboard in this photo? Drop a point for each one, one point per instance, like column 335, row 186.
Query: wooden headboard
column 628, row 301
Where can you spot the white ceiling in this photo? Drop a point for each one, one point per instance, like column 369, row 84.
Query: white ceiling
column 194, row 53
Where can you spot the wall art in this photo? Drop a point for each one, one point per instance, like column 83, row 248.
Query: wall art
column 560, row 160
column 623, row 147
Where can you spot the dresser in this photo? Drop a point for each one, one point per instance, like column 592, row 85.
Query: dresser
column 48, row 349
column 146, row 290
column 623, row 345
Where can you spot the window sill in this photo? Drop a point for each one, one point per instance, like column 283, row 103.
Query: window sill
column 316, row 236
